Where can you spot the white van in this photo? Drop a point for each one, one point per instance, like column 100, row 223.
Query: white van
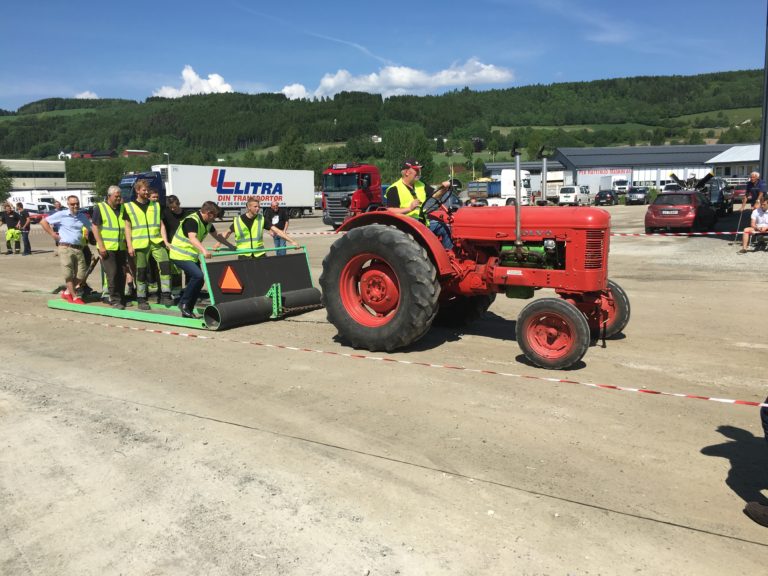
column 573, row 195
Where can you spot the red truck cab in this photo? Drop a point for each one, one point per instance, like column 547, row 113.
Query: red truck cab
column 350, row 189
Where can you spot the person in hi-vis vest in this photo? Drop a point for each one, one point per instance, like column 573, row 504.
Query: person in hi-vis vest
column 248, row 229
column 186, row 247
column 144, row 237
column 407, row 195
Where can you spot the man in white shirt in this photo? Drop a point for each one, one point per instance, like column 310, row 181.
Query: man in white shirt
column 759, row 224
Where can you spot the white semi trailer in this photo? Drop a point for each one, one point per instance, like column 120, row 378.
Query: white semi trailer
column 228, row 187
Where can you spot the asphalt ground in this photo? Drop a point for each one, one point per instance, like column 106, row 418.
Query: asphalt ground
column 129, row 448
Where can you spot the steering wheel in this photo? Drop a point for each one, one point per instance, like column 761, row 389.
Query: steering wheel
column 432, row 204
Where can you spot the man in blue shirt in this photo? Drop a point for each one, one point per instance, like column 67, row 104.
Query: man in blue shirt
column 70, row 239
column 755, row 191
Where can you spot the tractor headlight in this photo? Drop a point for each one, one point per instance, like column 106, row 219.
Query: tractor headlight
column 549, row 244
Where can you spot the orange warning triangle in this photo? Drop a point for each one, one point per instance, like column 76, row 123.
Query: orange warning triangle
column 229, row 282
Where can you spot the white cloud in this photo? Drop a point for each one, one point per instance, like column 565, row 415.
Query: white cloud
column 194, row 84
column 87, row 95
column 394, row 80
column 295, row 92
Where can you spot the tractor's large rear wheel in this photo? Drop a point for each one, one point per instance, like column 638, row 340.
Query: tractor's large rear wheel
column 552, row 333
column 380, row 288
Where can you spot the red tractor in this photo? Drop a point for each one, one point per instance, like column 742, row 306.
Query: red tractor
column 388, row 278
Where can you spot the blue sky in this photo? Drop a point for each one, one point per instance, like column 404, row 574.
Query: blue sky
column 139, row 48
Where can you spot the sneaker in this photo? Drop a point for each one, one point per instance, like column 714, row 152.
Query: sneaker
column 8, row 253
column 77, row 301
column 143, row 304
column 757, row 512
column 742, row 251
column 65, row 296
column 118, row 306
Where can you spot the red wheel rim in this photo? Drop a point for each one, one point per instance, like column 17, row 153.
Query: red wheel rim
column 369, row 290
column 550, row 335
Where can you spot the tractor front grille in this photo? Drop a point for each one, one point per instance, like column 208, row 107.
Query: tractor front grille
column 595, row 250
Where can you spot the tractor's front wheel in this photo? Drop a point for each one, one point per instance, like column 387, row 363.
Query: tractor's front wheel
column 380, row 288
column 552, row 333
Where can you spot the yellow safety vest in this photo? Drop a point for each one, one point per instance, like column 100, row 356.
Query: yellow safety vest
column 406, row 197
column 145, row 227
column 250, row 238
column 112, row 228
column 181, row 247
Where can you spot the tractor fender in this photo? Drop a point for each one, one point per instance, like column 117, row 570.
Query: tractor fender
column 411, row 226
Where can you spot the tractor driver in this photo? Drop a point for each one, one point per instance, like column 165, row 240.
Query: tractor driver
column 407, row 195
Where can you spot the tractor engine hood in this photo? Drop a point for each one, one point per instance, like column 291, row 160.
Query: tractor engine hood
column 497, row 223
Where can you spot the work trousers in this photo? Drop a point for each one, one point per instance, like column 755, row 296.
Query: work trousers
column 195, row 281
column 25, row 242
column 113, row 265
column 441, row 230
column 160, row 254
column 13, row 236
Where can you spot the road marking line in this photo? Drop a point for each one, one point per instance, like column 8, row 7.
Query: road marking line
column 355, row 356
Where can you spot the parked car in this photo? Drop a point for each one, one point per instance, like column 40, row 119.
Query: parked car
column 638, row 195
column 574, row 195
column 720, row 195
column 686, row 209
column 606, row 198
column 671, row 187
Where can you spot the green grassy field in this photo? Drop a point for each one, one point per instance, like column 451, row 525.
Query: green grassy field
column 239, row 154
column 51, row 114
column 735, row 116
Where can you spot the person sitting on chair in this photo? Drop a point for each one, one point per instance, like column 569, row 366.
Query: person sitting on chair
column 759, row 224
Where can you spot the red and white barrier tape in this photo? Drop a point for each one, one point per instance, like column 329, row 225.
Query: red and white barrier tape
column 675, row 233
column 626, row 234
column 396, row 361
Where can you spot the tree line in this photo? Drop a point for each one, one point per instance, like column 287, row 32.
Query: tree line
column 240, row 127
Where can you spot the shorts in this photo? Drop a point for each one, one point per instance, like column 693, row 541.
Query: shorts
column 72, row 263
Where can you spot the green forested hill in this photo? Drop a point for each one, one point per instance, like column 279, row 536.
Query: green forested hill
column 653, row 109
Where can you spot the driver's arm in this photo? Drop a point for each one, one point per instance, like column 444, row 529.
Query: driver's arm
column 440, row 192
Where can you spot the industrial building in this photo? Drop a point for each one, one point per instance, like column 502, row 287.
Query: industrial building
column 639, row 165
column 36, row 174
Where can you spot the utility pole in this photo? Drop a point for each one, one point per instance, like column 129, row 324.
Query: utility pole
column 764, row 123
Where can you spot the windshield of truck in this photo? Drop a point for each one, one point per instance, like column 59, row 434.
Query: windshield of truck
column 126, row 191
column 339, row 182
column 527, row 183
